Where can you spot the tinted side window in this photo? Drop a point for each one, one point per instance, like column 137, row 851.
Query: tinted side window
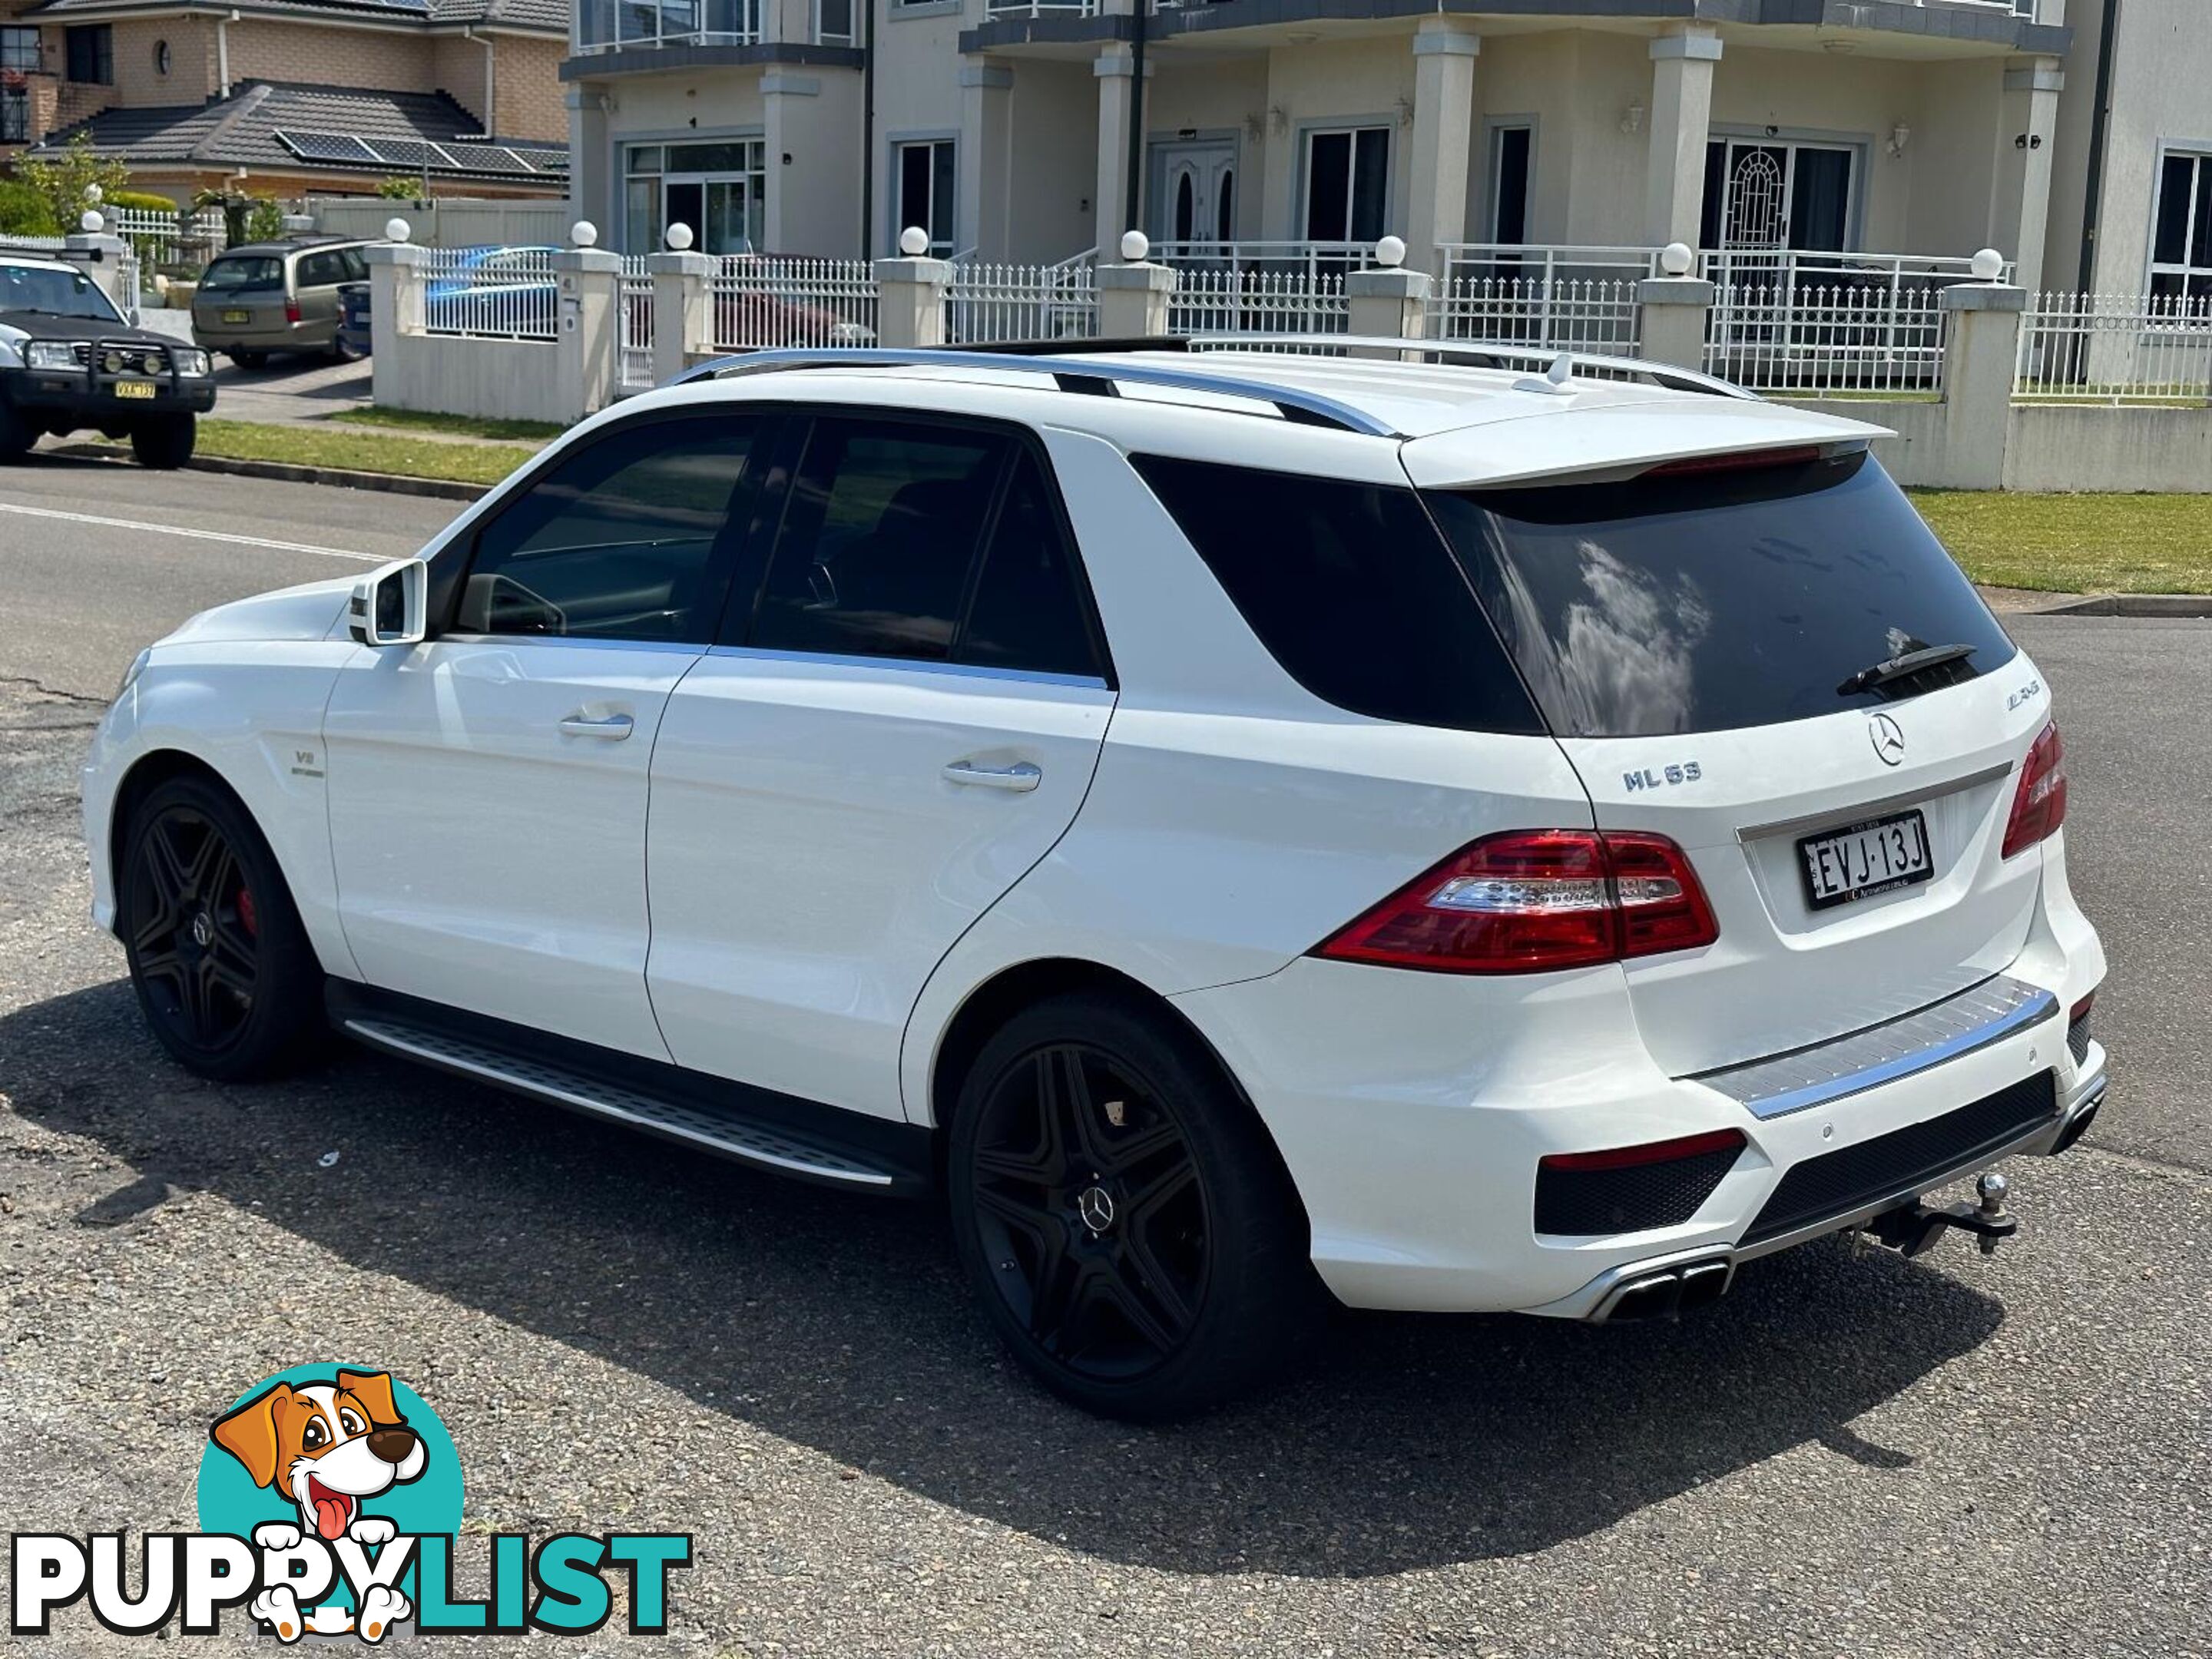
column 318, row 270
column 617, row 541
column 353, row 266
column 1029, row 610
column 1352, row 590
column 880, row 532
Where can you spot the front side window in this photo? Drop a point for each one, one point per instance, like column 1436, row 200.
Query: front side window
column 88, row 51
column 1350, row 590
column 884, row 523
column 1707, row 601
column 1347, row 184
column 2181, row 240
column 923, row 192
column 623, row 539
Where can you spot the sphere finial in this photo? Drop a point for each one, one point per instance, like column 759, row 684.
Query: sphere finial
column 584, row 233
column 914, row 241
column 1676, row 258
column 1989, row 265
column 1136, row 246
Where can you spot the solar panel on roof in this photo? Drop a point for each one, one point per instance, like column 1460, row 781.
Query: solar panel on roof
column 413, row 154
column 327, row 146
column 484, row 158
column 545, row 161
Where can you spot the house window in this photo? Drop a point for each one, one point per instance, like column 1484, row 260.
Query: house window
column 1512, row 151
column 833, row 21
column 18, row 51
column 2181, row 237
column 1347, row 183
column 925, row 192
column 90, row 49
column 718, row 189
column 1763, row 193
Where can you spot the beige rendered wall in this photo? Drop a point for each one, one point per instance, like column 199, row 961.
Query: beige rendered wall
column 1331, row 80
column 917, row 97
column 1055, row 120
column 814, row 162
column 1207, row 93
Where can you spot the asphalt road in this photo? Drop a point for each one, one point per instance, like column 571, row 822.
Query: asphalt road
column 1954, row 1456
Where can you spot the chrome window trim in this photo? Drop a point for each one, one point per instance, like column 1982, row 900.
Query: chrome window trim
column 914, row 664
column 1868, row 808
column 2023, row 1005
column 585, row 641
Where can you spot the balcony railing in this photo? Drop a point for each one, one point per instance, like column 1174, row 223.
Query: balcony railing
column 637, row 25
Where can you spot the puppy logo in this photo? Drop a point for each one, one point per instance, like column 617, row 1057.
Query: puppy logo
column 326, row 1446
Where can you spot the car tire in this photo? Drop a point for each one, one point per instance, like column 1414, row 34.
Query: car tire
column 221, row 965
column 1191, row 1282
column 164, row 441
column 18, row 437
column 251, row 361
column 343, row 351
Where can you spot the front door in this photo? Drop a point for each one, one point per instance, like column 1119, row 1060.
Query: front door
column 1194, row 191
column 488, row 787
column 903, row 727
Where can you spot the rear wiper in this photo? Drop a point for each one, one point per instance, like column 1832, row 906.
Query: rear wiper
column 1902, row 666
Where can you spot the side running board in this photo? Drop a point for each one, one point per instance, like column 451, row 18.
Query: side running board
column 764, row 1145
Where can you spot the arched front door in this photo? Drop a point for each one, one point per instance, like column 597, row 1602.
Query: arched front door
column 1191, row 195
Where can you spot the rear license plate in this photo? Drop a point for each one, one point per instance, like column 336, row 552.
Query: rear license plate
column 134, row 388
column 238, row 316
column 1861, row 859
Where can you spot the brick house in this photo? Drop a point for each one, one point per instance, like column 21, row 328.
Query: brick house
column 290, row 98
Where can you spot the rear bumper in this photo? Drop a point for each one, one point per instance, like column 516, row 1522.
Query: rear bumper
column 276, row 337
column 1412, row 1110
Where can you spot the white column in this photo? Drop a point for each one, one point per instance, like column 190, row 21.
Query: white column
column 588, row 282
column 1682, row 114
column 1443, row 119
column 910, row 301
column 592, row 186
column 985, row 156
column 1114, row 66
column 1386, row 303
column 1980, row 355
column 1674, row 328
column 683, row 311
column 2026, row 136
column 1132, row 300
column 100, row 255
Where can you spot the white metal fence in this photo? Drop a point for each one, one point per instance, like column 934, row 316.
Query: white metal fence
column 782, row 301
column 996, row 303
column 1312, row 260
column 1258, row 302
column 489, row 293
column 634, row 291
column 167, row 238
column 1817, row 340
column 2115, row 349
column 1583, row 314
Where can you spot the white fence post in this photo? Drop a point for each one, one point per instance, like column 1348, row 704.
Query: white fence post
column 910, row 297
column 682, row 317
column 587, row 282
column 1389, row 303
column 1981, row 355
column 103, row 258
column 1134, row 297
column 396, row 314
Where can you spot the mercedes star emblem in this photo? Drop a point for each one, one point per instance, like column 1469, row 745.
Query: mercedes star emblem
column 1889, row 739
column 1097, row 1209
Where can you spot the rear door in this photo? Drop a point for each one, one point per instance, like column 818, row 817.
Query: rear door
column 903, row 724
column 1699, row 642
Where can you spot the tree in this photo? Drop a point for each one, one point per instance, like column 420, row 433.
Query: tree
column 65, row 182
column 24, row 212
column 244, row 218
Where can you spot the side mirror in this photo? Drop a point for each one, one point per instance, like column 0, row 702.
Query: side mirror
column 390, row 606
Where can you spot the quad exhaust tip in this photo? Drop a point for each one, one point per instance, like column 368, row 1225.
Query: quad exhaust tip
column 1669, row 1293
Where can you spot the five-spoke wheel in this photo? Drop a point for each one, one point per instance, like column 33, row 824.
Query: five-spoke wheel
column 1128, row 1223
column 222, row 968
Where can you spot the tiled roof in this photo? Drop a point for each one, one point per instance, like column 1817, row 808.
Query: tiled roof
column 242, row 130
column 548, row 15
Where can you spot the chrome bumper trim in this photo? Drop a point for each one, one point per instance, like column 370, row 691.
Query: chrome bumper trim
column 1804, row 1078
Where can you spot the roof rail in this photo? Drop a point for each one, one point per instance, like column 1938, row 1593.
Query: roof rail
column 1098, row 379
column 1489, row 354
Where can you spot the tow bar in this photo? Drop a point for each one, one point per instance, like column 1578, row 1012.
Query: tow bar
column 1912, row 1229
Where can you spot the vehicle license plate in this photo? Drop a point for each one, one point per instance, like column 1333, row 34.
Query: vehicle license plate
column 238, row 316
column 134, row 388
column 1861, row 859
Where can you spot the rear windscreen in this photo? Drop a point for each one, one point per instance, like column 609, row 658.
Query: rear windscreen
column 251, row 274
column 1711, row 601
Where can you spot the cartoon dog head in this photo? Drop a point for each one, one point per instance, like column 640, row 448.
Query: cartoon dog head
column 326, row 1445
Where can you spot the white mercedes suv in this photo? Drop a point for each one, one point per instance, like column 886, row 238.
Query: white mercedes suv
column 1249, row 826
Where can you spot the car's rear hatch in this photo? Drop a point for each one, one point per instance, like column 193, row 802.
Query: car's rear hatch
column 1708, row 643
column 242, row 297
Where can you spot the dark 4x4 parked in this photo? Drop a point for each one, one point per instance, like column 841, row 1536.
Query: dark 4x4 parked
column 68, row 361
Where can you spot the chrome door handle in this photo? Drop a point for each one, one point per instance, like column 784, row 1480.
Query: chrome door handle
column 617, row 727
column 1021, row 776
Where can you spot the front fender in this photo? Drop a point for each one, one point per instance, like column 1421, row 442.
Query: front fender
column 257, row 725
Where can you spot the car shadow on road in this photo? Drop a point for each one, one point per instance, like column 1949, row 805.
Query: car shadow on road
column 839, row 1322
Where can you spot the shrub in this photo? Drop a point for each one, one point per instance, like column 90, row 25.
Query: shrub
column 25, row 212
column 143, row 200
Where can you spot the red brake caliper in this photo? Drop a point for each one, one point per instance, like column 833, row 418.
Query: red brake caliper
column 247, row 918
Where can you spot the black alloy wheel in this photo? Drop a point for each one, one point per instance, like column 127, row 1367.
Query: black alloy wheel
column 1123, row 1212
column 223, row 970
column 1089, row 1198
column 195, row 937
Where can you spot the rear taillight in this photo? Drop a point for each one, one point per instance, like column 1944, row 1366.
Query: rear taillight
column 291, row 311
column 2038, row 805
column 1531, row 901
column 1651, row 1151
